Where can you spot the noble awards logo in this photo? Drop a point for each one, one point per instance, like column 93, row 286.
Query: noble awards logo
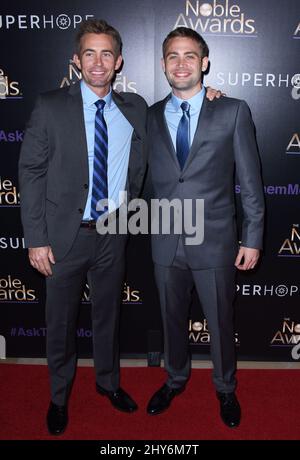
column 219, row 17
column 296, row 33
column 9, row 89
column 200, row 335
column 73, row 75
column 288, row 335
column 9, row 196
column 121, row 82
column 291, row 245
column 293, row 147
column 39, row 22
column 130, row 296
column 13, row 290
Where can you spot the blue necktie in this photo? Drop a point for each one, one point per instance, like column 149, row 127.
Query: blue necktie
column 182, row 138
column 100, row 188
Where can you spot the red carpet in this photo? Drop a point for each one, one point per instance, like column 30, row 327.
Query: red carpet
column 269, row 399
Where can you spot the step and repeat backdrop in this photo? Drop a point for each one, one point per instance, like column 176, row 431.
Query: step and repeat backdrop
column 254, row 55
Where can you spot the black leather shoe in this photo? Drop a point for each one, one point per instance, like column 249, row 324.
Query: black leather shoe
column 119, row 399
column 230, row 409
column 57, row 419
column 162, row 399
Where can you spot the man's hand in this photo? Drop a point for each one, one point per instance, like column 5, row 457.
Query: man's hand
column 250, row 256
column 211, row 93
column 40, row 259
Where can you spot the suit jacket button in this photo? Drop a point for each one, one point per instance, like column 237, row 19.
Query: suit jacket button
column 80, row 210
column 85, row 186
column 181, row 180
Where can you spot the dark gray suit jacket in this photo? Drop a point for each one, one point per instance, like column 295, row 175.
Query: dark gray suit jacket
column 224, row 142
column 53, row 167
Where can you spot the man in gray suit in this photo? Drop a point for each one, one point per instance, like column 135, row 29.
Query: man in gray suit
column 196, row 145
column 82, row 144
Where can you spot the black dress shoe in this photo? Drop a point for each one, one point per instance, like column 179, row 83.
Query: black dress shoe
column 162, row 399
column 57, row 419
column 119, row 399
column 230, row 410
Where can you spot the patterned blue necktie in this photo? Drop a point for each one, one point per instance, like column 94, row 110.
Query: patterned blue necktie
column 100, row 188
column 182, row 138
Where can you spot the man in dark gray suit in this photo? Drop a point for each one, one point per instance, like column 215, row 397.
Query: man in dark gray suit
column 74, row 136
column 196, row 145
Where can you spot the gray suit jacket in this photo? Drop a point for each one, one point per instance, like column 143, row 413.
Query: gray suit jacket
column 224, row 142
column 53, row 167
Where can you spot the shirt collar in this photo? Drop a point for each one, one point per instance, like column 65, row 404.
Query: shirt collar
column 89, row 97
column 195, row 101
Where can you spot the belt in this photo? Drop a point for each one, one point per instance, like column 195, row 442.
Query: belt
column 93, row 223
column 88, row 224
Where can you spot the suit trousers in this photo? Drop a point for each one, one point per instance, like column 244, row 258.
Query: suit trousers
column 216, row 290
column 100, row 258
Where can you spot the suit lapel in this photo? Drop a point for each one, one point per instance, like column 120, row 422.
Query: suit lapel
column 76, row 118
column 137, row 153
column 204, row 122
column 164, row 130
column 129, row 111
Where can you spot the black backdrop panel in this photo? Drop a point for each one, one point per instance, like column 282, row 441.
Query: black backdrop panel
column 254, row 54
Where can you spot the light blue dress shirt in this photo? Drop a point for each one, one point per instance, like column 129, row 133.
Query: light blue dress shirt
column 173, row 114
column 119, row 132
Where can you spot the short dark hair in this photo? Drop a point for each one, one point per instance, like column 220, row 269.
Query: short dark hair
column 189, row 33
column 98, row 26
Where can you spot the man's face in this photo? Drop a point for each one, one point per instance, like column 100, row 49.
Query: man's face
column 183, row 65
column 98, row 61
